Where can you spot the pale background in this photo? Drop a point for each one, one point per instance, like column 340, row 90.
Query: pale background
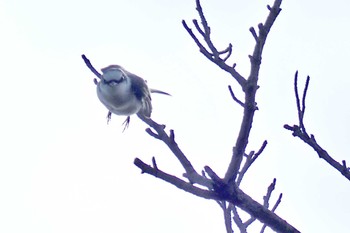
column 63, row 169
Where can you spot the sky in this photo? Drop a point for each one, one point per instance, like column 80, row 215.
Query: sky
column 63, row 169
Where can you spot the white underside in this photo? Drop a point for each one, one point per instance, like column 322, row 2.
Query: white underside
column 118, row 99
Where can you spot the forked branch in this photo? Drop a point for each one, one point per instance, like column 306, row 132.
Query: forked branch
column 217, row 57
column 300, row 131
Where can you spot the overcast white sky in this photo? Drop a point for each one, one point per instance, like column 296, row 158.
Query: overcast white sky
column 63, row 169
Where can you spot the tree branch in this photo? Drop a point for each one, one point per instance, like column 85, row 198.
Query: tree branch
column 169, row 140
column 234, row 97
column 238, row 221
column 267, row 198
column 214, row 55
column 181, row 184
column 89, row 65
column 300, row 132
column 227, row 216
column 250, row 91
column 250, row 159
column 231, row 194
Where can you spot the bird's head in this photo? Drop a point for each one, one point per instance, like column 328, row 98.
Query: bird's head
column 113, row 75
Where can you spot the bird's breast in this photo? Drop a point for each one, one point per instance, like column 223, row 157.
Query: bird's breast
column 119, row 99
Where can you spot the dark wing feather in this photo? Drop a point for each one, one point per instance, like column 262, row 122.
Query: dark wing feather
column 142, row 92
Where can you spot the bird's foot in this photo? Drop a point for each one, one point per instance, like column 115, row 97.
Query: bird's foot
column 126, row 123
column 109, row 117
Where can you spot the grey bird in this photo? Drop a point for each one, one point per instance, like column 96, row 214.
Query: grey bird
column 124, row 93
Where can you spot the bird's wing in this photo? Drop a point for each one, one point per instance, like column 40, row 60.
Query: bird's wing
column 142, row 94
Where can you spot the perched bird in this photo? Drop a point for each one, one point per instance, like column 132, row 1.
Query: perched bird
column 124, row 93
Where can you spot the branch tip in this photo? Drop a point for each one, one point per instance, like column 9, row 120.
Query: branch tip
column 154, row 163
column 172, row 135
column 252, row 30
column 153, row 134
column 234, row 97
column 90, row 66
column 261, row 148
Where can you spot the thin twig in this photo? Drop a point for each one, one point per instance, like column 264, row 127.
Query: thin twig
column 214, row 55
column 273, row 210
column 269, row 192
column 249, row 221
column 323, row 154
column 227, row 217
column 202, row 49
column 250, row 159
column 301, row 105
column 234, row 97
column 169, row 140
column 228, row 52
column 145, row 168
column 300, row 130
column 262, row 148
column 237, row 219
column 207, row 31
column 252, row 30
column 89, row 65
column 154, row 163
column 277, row 203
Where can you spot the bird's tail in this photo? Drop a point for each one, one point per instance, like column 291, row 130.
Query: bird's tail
column 158, row 92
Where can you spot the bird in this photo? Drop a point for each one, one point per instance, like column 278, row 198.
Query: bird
column 124, row 93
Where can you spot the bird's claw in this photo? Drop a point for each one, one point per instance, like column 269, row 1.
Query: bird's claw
column 126, row 123
column 109, row 117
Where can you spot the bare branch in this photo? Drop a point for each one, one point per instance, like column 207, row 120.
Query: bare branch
column 304, row 95
column 154, row 163
column 199, row 29
column 300, row 131
column 213, row 175
column 250, row 91
column 277, row 203
column 169, row 140
column 269, row 192
column 228, row 52
column 273, row 210
column 262, row 148
column 227, row 217
column 207, row 31
column 153, row 134
column 175, row 181
column 231, row 194
column 241, row 226
column 323, row 154
column 249, row 221
column 234, row 97
column 202, row 49
column 246, row 203
column 248, row 162
column 250, row 159
column 301, row 106
column 252, row 30
column 214, row 55
column 89, row 65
